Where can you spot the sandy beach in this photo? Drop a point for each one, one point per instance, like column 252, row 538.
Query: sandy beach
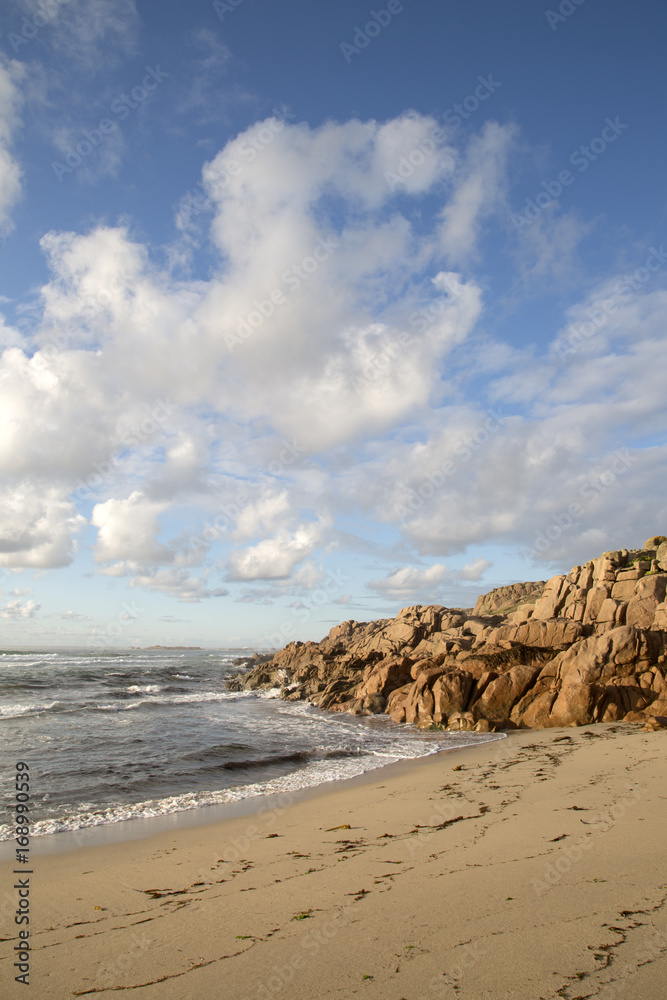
column 531, row 867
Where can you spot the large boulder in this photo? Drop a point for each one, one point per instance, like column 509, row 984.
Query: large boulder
column 508, row 597
column 502, row 694
column 385, row 676
column 661, row 555
column 451, row 693
column 599, row 658
column 573, row 705
column 649, row 593
column 655, row 541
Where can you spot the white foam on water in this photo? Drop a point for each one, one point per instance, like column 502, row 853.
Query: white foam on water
column 315, row 773
column 21, row 709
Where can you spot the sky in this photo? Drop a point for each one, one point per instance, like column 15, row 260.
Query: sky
column 311, row 312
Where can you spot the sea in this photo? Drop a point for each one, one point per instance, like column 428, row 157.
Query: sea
column 119, row 735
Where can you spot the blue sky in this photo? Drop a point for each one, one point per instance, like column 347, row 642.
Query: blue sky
column 312, row 312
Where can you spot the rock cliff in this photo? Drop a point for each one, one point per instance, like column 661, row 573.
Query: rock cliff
column 586, row 647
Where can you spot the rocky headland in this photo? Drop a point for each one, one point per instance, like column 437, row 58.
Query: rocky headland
column 585, row 647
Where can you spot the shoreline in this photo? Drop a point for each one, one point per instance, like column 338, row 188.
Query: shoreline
column 124, row 831
column 530, row 867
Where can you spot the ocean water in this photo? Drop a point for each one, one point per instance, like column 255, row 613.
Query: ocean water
column 123, row 734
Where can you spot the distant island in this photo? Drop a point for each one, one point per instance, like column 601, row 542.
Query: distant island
column 167, row 647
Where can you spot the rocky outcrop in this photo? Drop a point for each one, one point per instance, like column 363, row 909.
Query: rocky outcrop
column 584, row 647
column 502, row 600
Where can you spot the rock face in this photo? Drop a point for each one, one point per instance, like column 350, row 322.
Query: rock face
column 506, row 599
column 586, row 647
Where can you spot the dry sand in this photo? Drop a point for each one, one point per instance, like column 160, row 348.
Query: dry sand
column 532, row 867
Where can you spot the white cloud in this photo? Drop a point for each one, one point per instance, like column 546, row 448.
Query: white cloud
column 11, row 75
column 142, row 391
column 37, row 526
column 475, row 570
column 9, row 337
column 15, row 610
column 128, row 530
column 92, row 33
column 71, row 91
column 509, row 481
column 275, row 558
column 176, row 583
column 410, row 582
column 479, row 190
column 117, row 337
column 263, row 515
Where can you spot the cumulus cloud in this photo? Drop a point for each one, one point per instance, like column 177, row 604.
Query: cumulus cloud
column 177, row 583
column 118, row 340
column 553, row 444
column 128, row 530
column 15, row 610
column 275, row 558
column 410, row 581
column 38, row 526
column 263, row 515
column 9, row 336
column 330, row 320
column 476, row 569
